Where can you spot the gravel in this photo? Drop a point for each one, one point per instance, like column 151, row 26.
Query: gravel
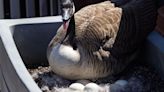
column 133, row 79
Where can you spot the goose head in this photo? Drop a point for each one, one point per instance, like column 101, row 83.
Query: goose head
column 67, row 9
column 80, row 54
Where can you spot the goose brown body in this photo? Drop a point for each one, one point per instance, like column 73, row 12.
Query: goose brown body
column 83, row 53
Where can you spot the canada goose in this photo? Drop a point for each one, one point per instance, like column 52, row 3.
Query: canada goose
column 104, row 40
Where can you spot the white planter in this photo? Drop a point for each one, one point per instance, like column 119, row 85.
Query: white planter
column 31, row 36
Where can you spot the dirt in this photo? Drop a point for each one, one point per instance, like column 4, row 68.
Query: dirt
column 135, row 79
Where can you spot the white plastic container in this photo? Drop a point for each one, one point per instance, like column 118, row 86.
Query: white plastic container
column 24, row 41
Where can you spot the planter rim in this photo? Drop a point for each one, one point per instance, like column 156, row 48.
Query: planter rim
column 6, row 26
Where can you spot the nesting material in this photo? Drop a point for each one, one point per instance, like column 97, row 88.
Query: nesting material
column 136, row 79
column 47, row 80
